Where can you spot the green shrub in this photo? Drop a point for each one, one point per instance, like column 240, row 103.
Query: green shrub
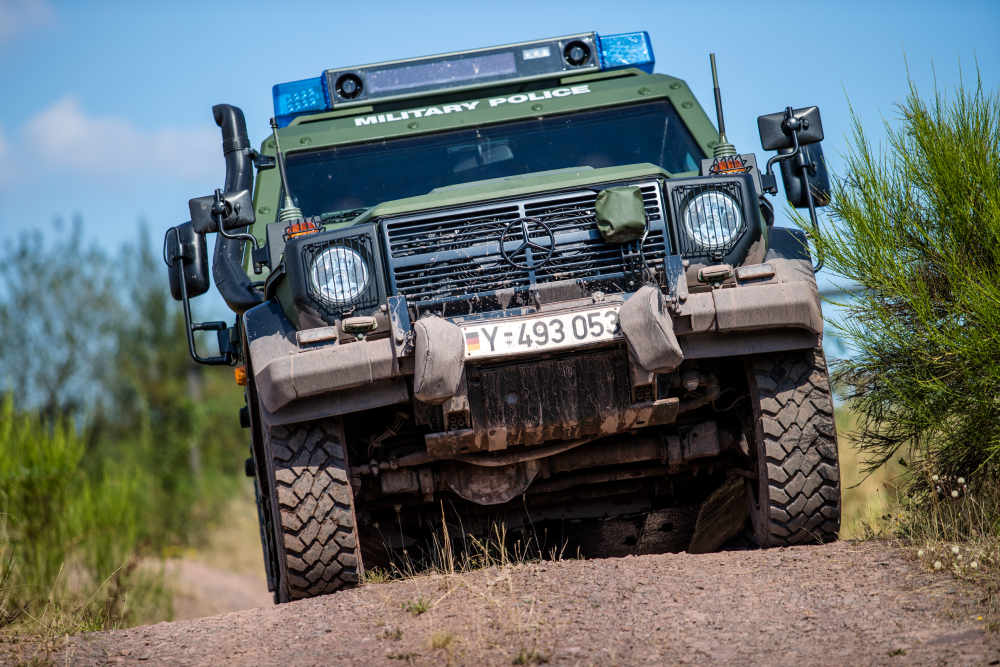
column 917, row 226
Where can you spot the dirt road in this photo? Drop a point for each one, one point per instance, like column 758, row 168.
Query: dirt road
column 841, row 603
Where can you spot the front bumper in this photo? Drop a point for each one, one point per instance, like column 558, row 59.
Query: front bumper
column 779, row 312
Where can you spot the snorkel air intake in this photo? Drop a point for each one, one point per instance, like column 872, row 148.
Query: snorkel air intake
column 227, row 263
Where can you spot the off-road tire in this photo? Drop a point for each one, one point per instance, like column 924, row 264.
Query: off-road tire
column 313, row 504
column 796, row 496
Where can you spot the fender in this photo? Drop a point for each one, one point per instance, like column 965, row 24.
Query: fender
column 299, row 382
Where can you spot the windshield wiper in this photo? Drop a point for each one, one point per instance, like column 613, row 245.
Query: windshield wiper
column 340, row 216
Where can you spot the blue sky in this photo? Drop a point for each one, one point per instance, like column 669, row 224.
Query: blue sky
column 106, row 105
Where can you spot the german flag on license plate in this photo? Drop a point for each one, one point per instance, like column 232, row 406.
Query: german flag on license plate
column 472, row 341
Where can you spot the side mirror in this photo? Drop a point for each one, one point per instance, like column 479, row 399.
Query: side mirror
column 186, row 255
column 776, row 129
column 811, row 160
column 184, row 251
column 795, row 134
column 230, row 210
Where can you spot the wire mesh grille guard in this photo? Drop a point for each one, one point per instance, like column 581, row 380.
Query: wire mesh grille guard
column 446, row 255
column 711, row 218
column 341, row 274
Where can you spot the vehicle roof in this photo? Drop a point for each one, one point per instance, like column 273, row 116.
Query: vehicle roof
column 603, row 89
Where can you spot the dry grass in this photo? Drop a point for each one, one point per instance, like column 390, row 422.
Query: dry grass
column 868, row 501
column 506, row 609
column 953, row 525
column 441, row 640
column 526, row 657
column 950, row 525
column 468, row 553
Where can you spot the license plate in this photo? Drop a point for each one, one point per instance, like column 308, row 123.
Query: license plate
column 541, row 334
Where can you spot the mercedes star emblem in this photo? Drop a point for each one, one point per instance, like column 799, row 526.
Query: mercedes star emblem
column 536, row 255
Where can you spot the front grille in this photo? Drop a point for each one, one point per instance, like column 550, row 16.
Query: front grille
column 447, row 255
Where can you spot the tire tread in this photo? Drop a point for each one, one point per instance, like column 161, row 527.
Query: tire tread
column 315, row 506
column 799, row 446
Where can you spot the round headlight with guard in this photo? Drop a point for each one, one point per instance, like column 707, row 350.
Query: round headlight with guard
column 712, row 219
column 339, row 275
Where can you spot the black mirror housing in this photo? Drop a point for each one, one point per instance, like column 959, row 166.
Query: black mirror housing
column 776, row 128
column 186, row 255
column 233, row 210
column 812, row 158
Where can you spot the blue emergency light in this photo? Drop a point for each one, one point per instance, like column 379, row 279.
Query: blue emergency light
column 525, row 61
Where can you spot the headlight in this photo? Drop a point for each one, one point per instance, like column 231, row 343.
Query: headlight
column 339, row 275
column 712, row 219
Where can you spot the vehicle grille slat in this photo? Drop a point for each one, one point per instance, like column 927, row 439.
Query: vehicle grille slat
column 444, row 255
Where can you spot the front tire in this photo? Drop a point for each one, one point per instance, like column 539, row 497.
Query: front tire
column 795, row 498
column 313, row 508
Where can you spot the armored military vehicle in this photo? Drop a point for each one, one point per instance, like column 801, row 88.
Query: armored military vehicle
column 531, row 281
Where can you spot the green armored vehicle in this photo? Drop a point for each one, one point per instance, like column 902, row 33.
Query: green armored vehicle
column 531, row 284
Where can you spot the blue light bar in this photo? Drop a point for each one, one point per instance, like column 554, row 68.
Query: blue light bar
column 628, row 49
column 297, row 97
column 526, row 61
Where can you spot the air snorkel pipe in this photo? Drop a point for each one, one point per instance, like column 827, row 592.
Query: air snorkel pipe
column 227, row 263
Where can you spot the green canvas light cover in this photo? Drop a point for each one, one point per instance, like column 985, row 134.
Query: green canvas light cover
column 621, row 216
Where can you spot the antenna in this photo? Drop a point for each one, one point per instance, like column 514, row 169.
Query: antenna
column 723, row 148
column 289, row 212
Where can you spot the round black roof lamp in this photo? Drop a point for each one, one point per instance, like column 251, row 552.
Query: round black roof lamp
column 348, row 86
column 576, row 53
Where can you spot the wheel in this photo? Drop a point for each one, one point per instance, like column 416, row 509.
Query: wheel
column 795, row 498
column 313, row 510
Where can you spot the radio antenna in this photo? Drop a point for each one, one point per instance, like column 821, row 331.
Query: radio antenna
column 289, row 211
column 723, row 148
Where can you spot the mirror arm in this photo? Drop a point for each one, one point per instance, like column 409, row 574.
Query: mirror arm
column 219, row 211
column 812, row 213
column 223, row 359
column 772, row 188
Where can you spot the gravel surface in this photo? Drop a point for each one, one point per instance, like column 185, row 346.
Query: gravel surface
column 840, row 603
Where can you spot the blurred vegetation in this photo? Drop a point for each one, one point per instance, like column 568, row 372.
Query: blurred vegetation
column 115, row 449
column 868, row 498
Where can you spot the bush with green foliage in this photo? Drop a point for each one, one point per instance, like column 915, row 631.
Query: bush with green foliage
column 917, row 227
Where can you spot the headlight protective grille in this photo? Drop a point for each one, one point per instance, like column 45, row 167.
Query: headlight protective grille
column 336, row 274
column 711, row 216
column 341, row 274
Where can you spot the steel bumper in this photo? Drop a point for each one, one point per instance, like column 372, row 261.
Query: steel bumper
column 752, row 307
column 782, row 312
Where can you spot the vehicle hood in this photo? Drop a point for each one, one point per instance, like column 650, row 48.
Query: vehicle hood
column 511, row 186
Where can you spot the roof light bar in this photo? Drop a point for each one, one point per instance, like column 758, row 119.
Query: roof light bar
column 628, row 49
column 461, row 70
column 294, row 98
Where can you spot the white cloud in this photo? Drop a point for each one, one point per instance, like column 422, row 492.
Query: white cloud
column 64, row 135
column 21, row 15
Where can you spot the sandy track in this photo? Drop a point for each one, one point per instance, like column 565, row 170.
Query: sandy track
column 201, row 589
column 841, row 603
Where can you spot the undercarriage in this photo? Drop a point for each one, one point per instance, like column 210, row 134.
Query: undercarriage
column 697, row 429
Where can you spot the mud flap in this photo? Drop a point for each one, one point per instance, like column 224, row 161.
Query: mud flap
column 438, row 361
column 649, row 331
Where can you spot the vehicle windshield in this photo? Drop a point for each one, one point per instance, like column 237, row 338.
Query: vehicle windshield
column 361, row 175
